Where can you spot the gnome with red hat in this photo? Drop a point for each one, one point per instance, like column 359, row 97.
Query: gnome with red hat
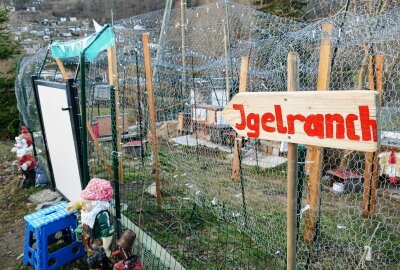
column 96, row 229
column 26, row 162
column 25, row 134
column 27, row 172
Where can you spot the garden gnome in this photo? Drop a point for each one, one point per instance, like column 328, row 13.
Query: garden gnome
column 26, row 162
column 96, row 229
column 25, row 134
column 125, row 245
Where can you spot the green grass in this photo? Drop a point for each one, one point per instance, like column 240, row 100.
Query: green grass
column 199, row 239
column 203, row 239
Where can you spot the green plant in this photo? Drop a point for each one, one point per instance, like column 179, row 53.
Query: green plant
column 8, row 49
column 7, row 46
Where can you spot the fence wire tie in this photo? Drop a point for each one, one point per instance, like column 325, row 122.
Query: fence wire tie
column 305, row 208
column 118, row 153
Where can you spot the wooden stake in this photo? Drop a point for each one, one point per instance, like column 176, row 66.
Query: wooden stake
column 243, row 74
column 89, row 128
column 113, row 80
column 375, row 185
column 367, row 183
column 361, row 71
column 324, row 68
column 293, row 85
column 242, row 88
column 100, row 150
column 60, row 65
column 152, row 115
column 343, row 161
column 314, row 154
column 378, row 61
column 371, row 159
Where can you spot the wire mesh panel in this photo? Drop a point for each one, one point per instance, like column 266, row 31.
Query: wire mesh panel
column 211, row 218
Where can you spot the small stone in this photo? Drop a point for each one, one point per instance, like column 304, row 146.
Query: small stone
column 43, row 196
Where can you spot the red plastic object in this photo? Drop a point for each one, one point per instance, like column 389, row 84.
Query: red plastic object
column 95, row 128
column 132, row 143
column 344, row 174
column 392, row 164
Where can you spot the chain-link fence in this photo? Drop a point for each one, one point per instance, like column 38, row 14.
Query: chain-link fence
column 212, row 217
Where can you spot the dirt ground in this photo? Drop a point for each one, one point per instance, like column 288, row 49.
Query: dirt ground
column 14, row 204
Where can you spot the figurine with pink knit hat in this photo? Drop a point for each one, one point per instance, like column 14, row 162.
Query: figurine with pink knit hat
column 96, row 229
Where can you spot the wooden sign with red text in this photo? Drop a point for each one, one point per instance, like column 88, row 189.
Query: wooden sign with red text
column 336, row 119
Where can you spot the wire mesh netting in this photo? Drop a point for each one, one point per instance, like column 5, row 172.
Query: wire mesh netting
column 207, row 219
column 30, row 66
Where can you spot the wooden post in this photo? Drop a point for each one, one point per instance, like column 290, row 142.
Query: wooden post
column 100, row 150
column 89, row 128
column 324, row 68
column 113, row 80
column 314, row 154
column 378, row 63
column 152, row 115
column 293, row 85
column 242, row 88
column 60, row 65
column 375, row 80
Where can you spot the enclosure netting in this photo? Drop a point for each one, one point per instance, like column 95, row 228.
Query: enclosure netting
column 207, row 220
column 27, row 67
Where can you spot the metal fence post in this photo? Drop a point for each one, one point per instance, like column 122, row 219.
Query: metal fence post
column 115, row 162
column 85, row 166
column 301, row 160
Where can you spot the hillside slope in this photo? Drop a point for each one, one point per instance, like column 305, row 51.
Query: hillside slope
column 101, row 9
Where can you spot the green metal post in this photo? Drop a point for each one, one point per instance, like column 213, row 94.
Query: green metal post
column 228, row 42
column 115, row 156
column 85, row 165
column 33, row 143
column 301, row 162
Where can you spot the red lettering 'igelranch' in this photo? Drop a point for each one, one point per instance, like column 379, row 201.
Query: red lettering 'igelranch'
column 329, row 126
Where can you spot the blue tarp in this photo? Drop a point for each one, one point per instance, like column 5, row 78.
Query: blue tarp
column 95, row 44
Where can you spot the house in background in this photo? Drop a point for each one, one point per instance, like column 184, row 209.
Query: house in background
column 30, row 46
column 10, row 8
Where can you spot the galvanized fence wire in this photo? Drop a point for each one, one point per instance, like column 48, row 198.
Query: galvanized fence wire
column 27, row 67
column 207, row 220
